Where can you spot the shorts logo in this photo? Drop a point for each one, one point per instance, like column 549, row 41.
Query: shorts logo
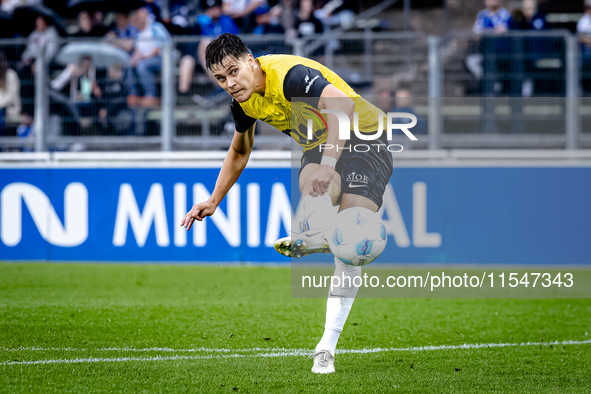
column 361, row 180
column 309, row 84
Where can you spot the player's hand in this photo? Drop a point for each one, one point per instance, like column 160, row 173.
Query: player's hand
column 198, row 212
column 319, row 182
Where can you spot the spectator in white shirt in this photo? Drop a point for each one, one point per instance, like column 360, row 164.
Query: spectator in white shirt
column 584, row 24
column 146, row 58
column 10, row 100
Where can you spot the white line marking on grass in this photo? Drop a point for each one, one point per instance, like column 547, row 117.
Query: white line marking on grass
column 153, row 349
column 155, row 358
column 270, row 352
column 200, row 349
column 455, row 347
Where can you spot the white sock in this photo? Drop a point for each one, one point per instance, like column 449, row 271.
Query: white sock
column 338, row 307
column 318, row 211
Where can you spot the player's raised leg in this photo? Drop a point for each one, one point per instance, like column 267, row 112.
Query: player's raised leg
column 319, row 214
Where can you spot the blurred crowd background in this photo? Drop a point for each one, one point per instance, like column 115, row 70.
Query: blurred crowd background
column 103, row 72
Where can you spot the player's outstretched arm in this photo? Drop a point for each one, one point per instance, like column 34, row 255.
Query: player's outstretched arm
column 233, row 166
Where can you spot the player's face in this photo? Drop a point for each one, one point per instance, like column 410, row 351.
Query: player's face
column 237, row 77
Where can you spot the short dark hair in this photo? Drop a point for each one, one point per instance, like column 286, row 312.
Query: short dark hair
column 227, row 44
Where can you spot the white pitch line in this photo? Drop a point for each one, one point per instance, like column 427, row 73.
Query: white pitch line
column 155, row 358
column 277, row 352
column 456, row 347
column 153, row 349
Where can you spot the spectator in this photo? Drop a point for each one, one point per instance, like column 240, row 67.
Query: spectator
column 242, row 12
column 268, row 20
column 178, row 22
column 494, row 18
column 305, row 22
column 43, row 37
column 122, row 34
column 146, row 59
column 87, row 27
column 584, row 24
column 338, row 13
column 528, row 17
column 98, row 22
column 83, row 86
column 153, row 7
column 383, row 94
column 403, row 100
column 213, row 22
column 113, row 115
column 10, row 100
column 521, row 79
column 9, row 5
column 72, row 73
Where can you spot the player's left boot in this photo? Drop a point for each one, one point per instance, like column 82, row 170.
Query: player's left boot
column 323, row 362
column 304, row 243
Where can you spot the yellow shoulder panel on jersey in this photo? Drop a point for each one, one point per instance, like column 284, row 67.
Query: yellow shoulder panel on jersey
column 289, row 77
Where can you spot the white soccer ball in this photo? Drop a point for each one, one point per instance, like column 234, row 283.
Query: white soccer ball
column 358, row 236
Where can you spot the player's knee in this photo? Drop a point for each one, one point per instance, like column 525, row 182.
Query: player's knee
column 334, row 191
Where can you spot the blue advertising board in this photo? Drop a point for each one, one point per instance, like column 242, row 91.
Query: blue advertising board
column 432, row 215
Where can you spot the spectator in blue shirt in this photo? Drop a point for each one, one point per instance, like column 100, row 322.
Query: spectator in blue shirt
column 122, row 33
column 494, row 18
column 213, row 23
column 123, row 28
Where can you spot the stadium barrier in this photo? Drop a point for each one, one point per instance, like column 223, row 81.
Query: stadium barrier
column 452, row 70
column 457, row 206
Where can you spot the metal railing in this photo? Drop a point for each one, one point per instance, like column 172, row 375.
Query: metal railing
column 517, row 90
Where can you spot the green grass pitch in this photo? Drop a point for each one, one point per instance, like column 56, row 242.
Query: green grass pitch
column 174, row 328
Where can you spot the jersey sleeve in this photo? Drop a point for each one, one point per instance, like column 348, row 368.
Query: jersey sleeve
column 302, row 81
column 242, row 121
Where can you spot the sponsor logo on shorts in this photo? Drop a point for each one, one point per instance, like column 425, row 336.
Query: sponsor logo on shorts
column 352, row 186
column 357, row 180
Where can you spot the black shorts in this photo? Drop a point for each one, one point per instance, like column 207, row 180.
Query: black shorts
column 362, row 173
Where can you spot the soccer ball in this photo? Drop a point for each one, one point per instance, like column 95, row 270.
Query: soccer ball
column 358, row 236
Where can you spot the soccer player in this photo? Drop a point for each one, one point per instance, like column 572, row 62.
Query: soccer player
column 271, row 88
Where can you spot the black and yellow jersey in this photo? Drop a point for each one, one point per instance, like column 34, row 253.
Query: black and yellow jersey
column 293, row 87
